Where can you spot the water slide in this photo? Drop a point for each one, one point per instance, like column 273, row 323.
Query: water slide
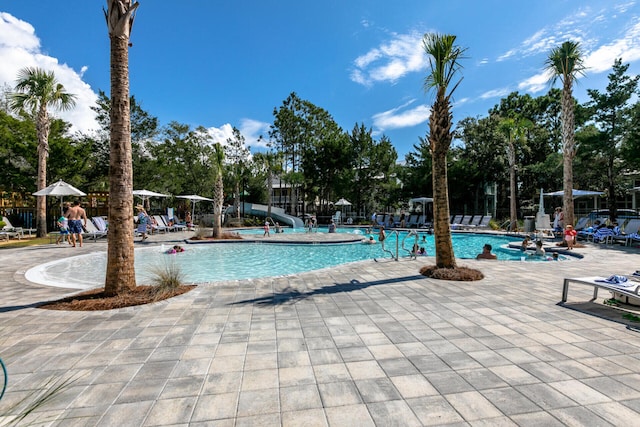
column 277, row 214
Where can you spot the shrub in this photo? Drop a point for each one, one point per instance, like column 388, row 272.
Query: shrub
column 166, row 277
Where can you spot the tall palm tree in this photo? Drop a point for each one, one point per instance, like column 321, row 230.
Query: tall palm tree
column 444, row 56
column 218, row 189
column 566, row 63
column 120, row 268
column 36, row 91
column 514, row 131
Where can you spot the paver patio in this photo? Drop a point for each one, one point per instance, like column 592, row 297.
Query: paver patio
column 369, row 343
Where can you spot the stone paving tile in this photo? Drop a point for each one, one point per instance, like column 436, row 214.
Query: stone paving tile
column 405, row 350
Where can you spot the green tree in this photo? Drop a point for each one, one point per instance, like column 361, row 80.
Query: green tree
column 37, row 90
column 514, row 131
column 237, row 155
column 566, row 63
column 611, row 113
column 444, row 62
column 120, row 256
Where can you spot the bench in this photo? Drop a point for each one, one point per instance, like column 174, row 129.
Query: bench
column 628, row 290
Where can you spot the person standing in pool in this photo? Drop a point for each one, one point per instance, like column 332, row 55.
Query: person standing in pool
column 76, row 215
column 486, row 253
column 266, row 230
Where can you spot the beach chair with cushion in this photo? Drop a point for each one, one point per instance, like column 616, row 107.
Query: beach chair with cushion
column 92, row 232
column 629, row 232
column 176, row 227
column 602, row 235
column 159, row 226
column 100, row 223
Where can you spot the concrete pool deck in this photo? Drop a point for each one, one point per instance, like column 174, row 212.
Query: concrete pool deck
column 369, row 343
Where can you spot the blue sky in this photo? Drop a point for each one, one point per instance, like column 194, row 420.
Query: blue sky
column 223, row 64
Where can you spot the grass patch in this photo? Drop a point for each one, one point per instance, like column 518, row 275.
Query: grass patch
column 631, row 317
column 22, row 243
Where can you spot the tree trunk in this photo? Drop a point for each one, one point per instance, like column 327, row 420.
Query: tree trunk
column 42, row 129
column 569, row 151
column 120, row 253
column 218, row 198
column 440, row 140
column 513, row 206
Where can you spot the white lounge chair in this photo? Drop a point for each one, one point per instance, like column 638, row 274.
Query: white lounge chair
column 92, row 232
column 12, row 231
column 337, row 217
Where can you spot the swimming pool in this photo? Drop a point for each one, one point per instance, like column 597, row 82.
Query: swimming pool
column 235, row 261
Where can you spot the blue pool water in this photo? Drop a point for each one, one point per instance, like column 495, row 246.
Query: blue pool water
column 234, row 261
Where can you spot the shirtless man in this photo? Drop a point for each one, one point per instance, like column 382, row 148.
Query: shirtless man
column 76, row 215
column 486, row 253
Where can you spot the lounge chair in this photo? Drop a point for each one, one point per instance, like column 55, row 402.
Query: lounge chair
column 602, row 235
column 92, row 232
column 412, row 221
column 474, row 222
column 582, row 223
column 624, row 290
column 484, row 222
column 100, row 223
column 11, row 231
column 337, row 217
column 629, row 232
column 464, row 221
column 176, row 227
column 160, row 225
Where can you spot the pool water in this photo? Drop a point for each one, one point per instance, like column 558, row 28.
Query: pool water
column 235, row 261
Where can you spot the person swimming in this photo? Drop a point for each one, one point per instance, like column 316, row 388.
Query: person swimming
column 175, row 249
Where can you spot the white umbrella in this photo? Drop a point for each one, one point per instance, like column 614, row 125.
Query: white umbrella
column 60, row 189
column 146, row 194
column 194, row 198
column 342, row 202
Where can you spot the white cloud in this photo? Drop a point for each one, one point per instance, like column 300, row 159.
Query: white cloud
column 390, row 61
column 495, row 93
column 399, row 117
column 536, row 83
column 250, row 129
column 626, row 47
column 221, row 134
column 20, row 48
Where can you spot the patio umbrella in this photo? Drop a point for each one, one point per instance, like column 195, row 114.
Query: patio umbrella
column 145, row 195
column 342, row 202
column 194, row 198
column 60, row 189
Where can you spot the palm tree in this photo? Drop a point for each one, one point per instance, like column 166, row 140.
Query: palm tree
column 566, row 63
column 514, row 130
column 444, row 65
column 218, row 189
column 38, row 90
column 120, row 268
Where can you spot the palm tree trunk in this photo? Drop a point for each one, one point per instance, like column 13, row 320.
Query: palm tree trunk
column 120, row 253
column 512, row 187
column 440, row 140
column 569, row 150
column 42, row 129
